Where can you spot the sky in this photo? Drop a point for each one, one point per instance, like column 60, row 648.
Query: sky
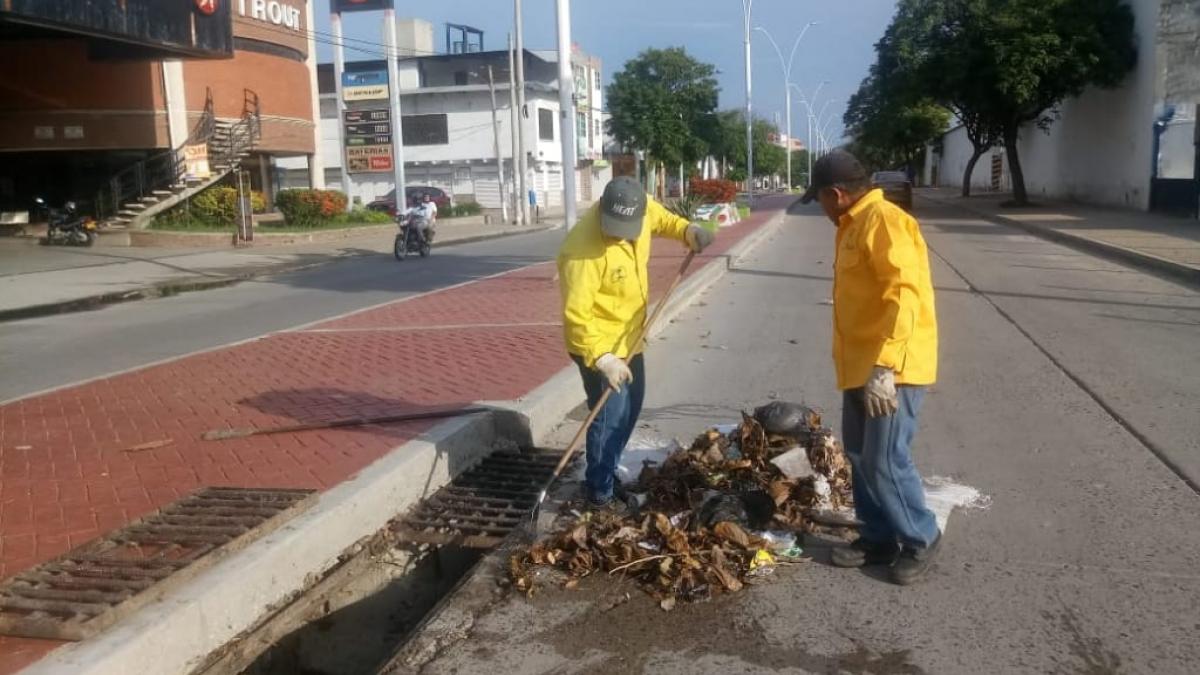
column 839, row 49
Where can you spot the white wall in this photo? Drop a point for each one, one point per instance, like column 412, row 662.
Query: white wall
column 1098, row 151
column 956, row 152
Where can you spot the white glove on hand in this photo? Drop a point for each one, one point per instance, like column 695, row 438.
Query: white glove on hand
column 615, row 370
column 698, row 238
column 879, row 394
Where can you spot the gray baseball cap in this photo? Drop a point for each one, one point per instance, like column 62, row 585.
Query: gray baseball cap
column 622, row 208
column 838, row 166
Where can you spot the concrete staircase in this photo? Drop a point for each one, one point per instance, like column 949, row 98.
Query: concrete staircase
column 225, row 155
column 138, row 193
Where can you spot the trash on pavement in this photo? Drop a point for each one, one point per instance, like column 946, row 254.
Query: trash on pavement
column 794, row 463
column 716, row 513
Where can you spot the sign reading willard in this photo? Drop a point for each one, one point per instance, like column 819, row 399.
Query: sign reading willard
column 367, row 86
column 360, row 5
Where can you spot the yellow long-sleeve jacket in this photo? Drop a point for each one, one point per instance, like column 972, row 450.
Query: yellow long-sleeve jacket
column 883, row 308
column 604, row 282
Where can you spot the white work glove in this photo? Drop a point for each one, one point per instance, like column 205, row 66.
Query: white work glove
column 615, row 370
column 698, row 238
column 879, row 394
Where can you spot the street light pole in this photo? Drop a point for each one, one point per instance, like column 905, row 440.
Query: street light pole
column 787, row 87
column 566, row 104
column 746, row 6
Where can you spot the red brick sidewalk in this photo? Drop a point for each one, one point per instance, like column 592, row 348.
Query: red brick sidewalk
column 67, row 476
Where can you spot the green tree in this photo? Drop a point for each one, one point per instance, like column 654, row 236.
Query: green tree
column 663, row 102
column 891, row 126
column 730, row 145
column 1001, row 65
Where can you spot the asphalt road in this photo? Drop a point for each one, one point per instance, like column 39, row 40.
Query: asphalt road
column 38, row 354
column 1061, row 377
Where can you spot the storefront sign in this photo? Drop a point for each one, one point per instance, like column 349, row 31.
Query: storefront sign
column 195, row 160
column 360, row 5
column 369, row 158
column 365, row 86
column 271, row 11
column 383, row 139
column 360, row 116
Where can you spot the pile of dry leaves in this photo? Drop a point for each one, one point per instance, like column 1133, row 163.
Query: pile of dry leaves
column 705, row 507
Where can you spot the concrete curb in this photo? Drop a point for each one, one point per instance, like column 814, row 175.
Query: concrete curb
column 177, row 633
column 1146, row 261
column 209, row 282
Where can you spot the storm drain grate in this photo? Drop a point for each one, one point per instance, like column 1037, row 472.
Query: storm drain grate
column 482, row 505
column 91, row 587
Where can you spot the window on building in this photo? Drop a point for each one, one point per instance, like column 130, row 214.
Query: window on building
column 460, row 78
column 599, row 129
column 545, row 124
column 582, row 128
column 426, row 129
column 596, row 77
column 328, row 108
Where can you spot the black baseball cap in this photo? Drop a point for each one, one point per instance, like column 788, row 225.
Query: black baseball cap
column 622, row 208
column 838, row 166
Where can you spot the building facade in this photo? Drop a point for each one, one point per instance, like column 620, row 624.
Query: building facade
column 79, row 115
column 449, row 138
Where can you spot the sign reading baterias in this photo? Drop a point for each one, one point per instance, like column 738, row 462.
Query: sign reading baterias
column 368, row 135
column 360, row 5
column 366, row 86
column 368, row 158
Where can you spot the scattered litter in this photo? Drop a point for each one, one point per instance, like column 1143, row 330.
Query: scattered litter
column 698, row 360
column 715, row 515
column 794, row 463
column 793, row 341
column 23, row 447
column 942, row 495
column 778, row 540
column 826, row 302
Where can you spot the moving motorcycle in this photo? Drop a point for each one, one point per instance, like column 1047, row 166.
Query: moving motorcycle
column 411, row 238
column 66, row 226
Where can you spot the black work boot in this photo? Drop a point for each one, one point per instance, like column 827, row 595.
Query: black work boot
column 913, row 563
column 862, row 552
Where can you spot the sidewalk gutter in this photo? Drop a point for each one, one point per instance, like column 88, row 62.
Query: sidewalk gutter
column 204, row 282
column 177, row 633
column 1149, row 262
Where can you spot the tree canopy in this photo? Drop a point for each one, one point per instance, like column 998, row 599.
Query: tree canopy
column 997, row 64
column 663, row 103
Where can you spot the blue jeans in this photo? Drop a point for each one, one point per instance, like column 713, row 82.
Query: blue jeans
column 888, row 496
column 610, row 431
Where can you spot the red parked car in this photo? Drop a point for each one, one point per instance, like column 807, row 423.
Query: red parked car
column 388, row 201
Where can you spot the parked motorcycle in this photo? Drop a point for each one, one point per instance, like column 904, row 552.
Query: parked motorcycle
column 411, row 238
column 66, row 226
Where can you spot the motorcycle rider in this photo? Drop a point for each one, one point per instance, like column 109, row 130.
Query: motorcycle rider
column 429, row 211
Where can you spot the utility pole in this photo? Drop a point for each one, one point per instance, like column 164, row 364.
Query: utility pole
column 746, row 5
column 496, row 145
column 522, row 161
column 339, row 67
column 514, row 128
column 566, row 107
column 389, row 32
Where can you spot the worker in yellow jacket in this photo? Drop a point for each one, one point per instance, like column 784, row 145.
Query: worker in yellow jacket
column 602, row 269
column 885, row 354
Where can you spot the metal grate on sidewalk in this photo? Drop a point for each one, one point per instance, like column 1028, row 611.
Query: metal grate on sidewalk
column 482, row 505
column 93, row 586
